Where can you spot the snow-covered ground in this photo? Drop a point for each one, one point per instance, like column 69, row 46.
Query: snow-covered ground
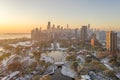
column 118, row 75
column 105, row 62
column 67, row 71
column 110, row 68
column 81, row 57
column 4, row 62
column 27, row 60
column 26, row 43
column 47, row 58
column 10, row 76
column 85, row 77
column 59, row 63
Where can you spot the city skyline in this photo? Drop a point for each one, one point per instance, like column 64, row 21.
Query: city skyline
column 20, row 16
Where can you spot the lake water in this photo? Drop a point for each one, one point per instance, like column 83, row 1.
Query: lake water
column 13, row 36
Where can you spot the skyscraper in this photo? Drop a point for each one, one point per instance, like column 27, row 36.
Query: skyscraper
column 94, row 41
column 111, row 41
column 84, row 34
column 49, row 25
column 88, row 26
column 67, row 26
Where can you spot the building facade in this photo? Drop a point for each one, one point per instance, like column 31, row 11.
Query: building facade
column 84, row 34
column 111, row 41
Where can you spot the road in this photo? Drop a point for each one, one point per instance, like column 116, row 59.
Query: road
column 59, row 76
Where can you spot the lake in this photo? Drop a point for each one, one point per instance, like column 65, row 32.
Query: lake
column 13, row 36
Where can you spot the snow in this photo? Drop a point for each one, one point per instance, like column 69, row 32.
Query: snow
column 21, row 78
column 27, row 60
column 57, row 47
column 14, row 73
column 110, row 68
column 85, row 77
column 68, row 72
column 27, row 77
column 62, row 49
column 50, row 70
column 11, row 75
column 47, row 59
column 81, row 58
column 118, row 75
column 59, row 63
column 4, row 62
column 27, row 44
column 105, row 62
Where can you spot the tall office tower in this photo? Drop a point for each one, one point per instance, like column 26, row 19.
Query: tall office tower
column 111, row 41
column 89, row 31
column 76, row 33
column 67, row 26
column 98, row 35
column 33, row 34
column 53, row 27
column 88, row 26
column 58, row 26
column 49, row 25
column 84, row 34
column 40, row 29
column 94, row 40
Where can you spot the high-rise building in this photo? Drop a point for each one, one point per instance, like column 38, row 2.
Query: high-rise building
column 49, row 25
column 84, row 34
column 67, row 26
column 88, row 26
column 58, row 27
column 94, row 41
column 76, row 33
column 53, row 27
column 111, row 41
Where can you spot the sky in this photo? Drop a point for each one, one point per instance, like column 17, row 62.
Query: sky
column 20, row 16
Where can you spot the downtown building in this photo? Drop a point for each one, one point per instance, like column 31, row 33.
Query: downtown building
column 54, row 33
column 111, row 41
column 94, row 41
column 84, row 33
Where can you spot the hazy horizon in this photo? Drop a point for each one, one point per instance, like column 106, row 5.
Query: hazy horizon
column 21, row 16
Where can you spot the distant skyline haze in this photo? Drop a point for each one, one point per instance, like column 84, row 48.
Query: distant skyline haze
column 21, row 16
